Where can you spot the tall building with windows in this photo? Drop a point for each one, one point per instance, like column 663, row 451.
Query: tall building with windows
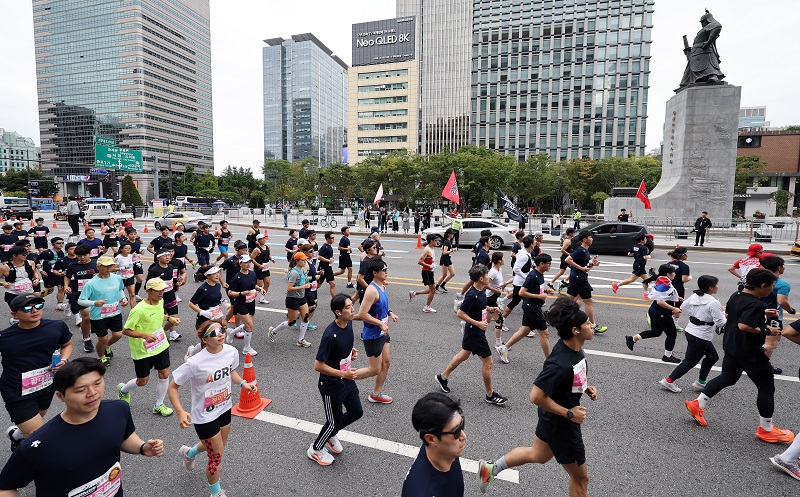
column 305, row 100
column 137, row 72
column 383, row 89
column 17, row 152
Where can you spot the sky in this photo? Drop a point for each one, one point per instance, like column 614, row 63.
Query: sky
column 754, row 48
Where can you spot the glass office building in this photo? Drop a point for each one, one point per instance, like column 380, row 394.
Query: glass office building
column 135, row 71
column 305, row 100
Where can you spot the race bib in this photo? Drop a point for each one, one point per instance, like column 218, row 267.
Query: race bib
column 109, row 309
column 112, row 236
column 7, row 247
column 579, row 381
column 224, row 241
column 22, row 237
column 94, row 252
column 105, row 485
column 386, row 322
column 169, row 284
column 344, row 364
column 483, row 315
column 316, row 254
column 126, row 273
column 174, row 274
column 81, row 283
column 250, row 297
column 136, row 258
column 216, row 312
column 36, row 379
column 158, row 342
column 23, row 286
column 265, row 267
column 41, row 233
column 218, row 398
column 314, row 286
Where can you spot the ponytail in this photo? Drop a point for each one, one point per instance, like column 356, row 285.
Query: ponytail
column 663, row 270
column 704, row 283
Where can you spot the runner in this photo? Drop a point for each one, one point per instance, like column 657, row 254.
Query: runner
column 19, row 233
column 640, row 254
column 223, row 238
column 777, row 299
column 208, row 304
column 517, row 246
column 136, row 255
column 159, row 241
column 313, row 278
column 446, row 261
column 473, row 312
column 203, row 242
column 661, row 311
column 261, row 258
column 181, row 250
column 231, row 267
column 682, row 275
column 109, row 232
column 337, row 384
column 296, row 303
column 166, row 271
column 47, row 261
column 78, row 274
column 436, row 471
column 149, row 345
column 741, row 267
column 566, row 245
column 535, row 293
column 124, row 262
column 495, row 289
column 96, row 466
column 7, row 241
column 427, row 261
column 705, row 317
column 59, row 273
column 39, row 234
column 210, row 375
column 19, row 274
column 345, row 262
column 364, row 277
column 325, row 257
column 103, row 295
column 557, row 392
column 242, row 290
column 522, row 266
column 291, row 246
column 375, row 314
column 581, row 262
column 27, row 351
column 743, row 344
column 96, row 248
column 304, row 230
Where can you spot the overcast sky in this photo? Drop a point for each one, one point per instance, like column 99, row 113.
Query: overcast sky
column 755, row 48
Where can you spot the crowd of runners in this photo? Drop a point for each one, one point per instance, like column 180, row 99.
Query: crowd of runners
column 96, row 277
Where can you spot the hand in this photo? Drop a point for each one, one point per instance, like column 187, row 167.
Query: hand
column 153, row 448
column 99, row 303
column 355, row 355
column 591, row 392
column 67, row 289
column 493, row 310
column 483, row 325
column 123, row 302
column 394, row 317
column 263, row 291
column 384, row 327
column 60, row 363
column 677, row 312
column 44, row 273
column 771, row 313
column 578, row 414
column 773, row 331
column 8, row 285
column 149, row 338
column 350, row 374
column 184, row 419
column 175, row 320
column 549, row 291
column 250, row 387
column 205, row 314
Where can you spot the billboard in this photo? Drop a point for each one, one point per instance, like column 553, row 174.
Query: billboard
column 119, row 159
column 379, row 42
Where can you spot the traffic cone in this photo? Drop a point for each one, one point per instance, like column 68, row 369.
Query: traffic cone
column 266, row 234
column 55, row 226
column 31, row 223
column 145, row 229
column 85, row 225
column 250, row 403
column 232, row 320
column 419, row 240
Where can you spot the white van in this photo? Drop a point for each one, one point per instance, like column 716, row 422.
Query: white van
column 97, row 212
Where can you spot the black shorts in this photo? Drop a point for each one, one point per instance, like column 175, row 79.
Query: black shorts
column 51, row 280
column 311, row 298
column 532, row 319
column 158, row 362
column 129, row 281
column 294, row 303
column 639, row 271
column 111, row 243
column 373, row 347
column 101, row 327
column 477, row 344
column 138, row 268
column 207, row 430
column 29, row 406
column 445, row 261
column 579, row 288
column 262, row 273
column 327, row 274
column 491, row 301
column 39, row 243
column 565, row 442
column 245, row 308
column 427, row 278
column 171, row 308
column 73, row 304
column 563, row 265
column 345, row 261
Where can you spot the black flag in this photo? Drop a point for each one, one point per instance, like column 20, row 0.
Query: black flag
column 513, row 213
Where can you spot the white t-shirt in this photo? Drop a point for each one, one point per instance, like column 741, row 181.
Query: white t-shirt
column 495, row 280
column 523, row 256
column 209, row 376
column 125, row 265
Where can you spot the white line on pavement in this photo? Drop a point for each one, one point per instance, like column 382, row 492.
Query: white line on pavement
column 471, row 465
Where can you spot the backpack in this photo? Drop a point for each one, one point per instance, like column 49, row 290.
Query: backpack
column 527, row 266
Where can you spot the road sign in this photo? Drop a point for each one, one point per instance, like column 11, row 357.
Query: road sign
column 33, row 190
column 118, row 159
column 100, row 172
column 102, row 140
column 33, row 183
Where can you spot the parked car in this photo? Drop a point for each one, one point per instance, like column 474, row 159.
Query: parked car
column 471, row 232
column 614, row 237
column 100, row 212
column 190, row 219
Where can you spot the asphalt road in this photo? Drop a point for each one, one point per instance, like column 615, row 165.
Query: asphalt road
column 639, row 438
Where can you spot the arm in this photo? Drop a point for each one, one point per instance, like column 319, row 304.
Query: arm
column 666, row 305
column 783, row 301
column 733, row 271
column 421, row 260
column 370, row 296
column 483, row 325
column 137, row 334
column 523, row 292
column 541, row 399
column 151, row 448
column 571, row 263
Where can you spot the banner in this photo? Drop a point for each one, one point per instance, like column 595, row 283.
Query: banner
column 513, row 213
column 450, row 191
column 641, row 194
column 379, row 195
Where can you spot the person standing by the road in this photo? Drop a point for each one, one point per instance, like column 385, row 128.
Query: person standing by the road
column 73, row 215
column 623, row 216
column 661, row 312
column 406, row 219
column 576, row 218
column 285, row 213
column 456, row 227
column 701, row 225
column 417, row 219
column 427, row 261
column 580, row 262
column 426, row 218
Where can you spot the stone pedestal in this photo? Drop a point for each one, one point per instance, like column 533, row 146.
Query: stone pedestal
column 699, row 163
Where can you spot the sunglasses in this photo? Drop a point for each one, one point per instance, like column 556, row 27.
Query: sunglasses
column 216, row 332
column 29, row 308
column 456, row 432
column 385, row 269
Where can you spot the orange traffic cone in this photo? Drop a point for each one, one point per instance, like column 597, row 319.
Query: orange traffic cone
column 86, row 225
column 419, row 240
column 266, row 234
column 232, row 320
column 250, row 403
column 31, row 223
column 55, row 226
column 145, row 229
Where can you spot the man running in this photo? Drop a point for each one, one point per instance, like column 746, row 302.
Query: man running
column 159, row 241
column 741, row 267
column 166, row 271
column 136, row 255
column 96, row 248
column 20, row 275
column 252, row 233
column 566, row 245
column 641, row 254
column 579, row 288
column 364, row 277
column 103, row 295
column 39, row 234
column 345, row 262
column 59, row 271
column 203, row 242
column 78, row 274
column 428, row 263
column 325, row 257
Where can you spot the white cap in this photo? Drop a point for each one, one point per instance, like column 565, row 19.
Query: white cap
column 302, row 241
column 245, row 258
column 259, row 236
column 212, row 270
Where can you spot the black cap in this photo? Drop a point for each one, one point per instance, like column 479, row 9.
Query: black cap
column 17, row 250
column 24, row 299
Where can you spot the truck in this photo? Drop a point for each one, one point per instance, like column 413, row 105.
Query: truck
column 15, row 205
column 98, row 210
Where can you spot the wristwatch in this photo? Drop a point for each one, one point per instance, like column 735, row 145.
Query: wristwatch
column 569, row 414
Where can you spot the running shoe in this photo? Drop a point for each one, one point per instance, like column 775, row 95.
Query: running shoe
column 644, row 296
column 263, row 300
column 350, row 285
column 505, row 328
column 78, row 320
column 174, row 336
column 456, row 305
column 496, row 399
column 321, row 457
column 188, row 462
column 672, row 359
column 105, row 361
column 651, row 272
column 600, row 329
column 775, row 436
column 221, row 493
column 10, row 432
column 531, row 334
column 249, row 350
column 163, row 409
column 775, row 370
column 229, row 336
column 334, row 445
column 444, row 290
column 485, row 475
column 787, row 467
column 380, row 398
column 672, row 387
column 614, row 286
column 271, row 333
column 312, row 327
column 428, row 309
column 439, row 290
column 88, row 347
column 239, row 335
column 13, row 321
column 61, row 306
column 442, row 383
column 561, row 287
column 679, row 329
column 139, row 299
column 109, row 353
column 411, row 295
column 303, row 343
column 67, row 311
column 648, row 317
column 503, row 351
column 629, row 342
column 123, row 396
column 698, row 386
column 697, row 412
column 190, row 350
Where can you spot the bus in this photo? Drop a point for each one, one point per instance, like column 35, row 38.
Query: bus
column 187, row 202
column 16, row 205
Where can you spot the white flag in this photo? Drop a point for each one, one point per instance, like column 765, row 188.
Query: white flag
column 379, row 195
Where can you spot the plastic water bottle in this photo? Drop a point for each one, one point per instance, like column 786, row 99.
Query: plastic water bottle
column 54, row 360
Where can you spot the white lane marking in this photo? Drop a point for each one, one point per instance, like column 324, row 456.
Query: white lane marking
column 629, row 357
column 270, row 309
column 410, row 451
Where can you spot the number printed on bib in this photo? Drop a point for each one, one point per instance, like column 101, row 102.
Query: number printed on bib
column 344, row 364
column 106, row 485
column 81, row 283
column 36, row 379
column 250, row 297
column 94, row 253
column 579, row 381
column 41, row 233
column 136, row 258
column 218, row 398
column 23, row 286
column 126, row 273
column 158, row 342
column 216, row 312
column 109, row 309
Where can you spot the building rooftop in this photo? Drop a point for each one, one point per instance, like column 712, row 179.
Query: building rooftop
column 307, row 37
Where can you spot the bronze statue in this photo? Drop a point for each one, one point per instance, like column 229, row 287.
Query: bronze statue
column 702, row 57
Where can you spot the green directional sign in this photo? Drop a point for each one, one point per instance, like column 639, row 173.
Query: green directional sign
column 102, row 140
column 119, row 159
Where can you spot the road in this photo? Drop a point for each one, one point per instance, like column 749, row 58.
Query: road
column 640, row 441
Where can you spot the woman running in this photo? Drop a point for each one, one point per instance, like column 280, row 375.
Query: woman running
column 210, row 375
column 124, row 262
column 261, row 258
column 448, row 272
column 662, row 293
column 705, row 316
column 566, row 248
column 223, row 237
column 208, row 304
column 682, row 276
column 426, row 260
column 110, row 240
column 313, row 278
column 242, row 289
column 557, row 393
column 296, row 304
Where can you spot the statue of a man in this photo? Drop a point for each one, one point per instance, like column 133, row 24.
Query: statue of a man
column 702, row 57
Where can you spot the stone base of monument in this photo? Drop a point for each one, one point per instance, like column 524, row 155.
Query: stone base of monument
column 699, row 159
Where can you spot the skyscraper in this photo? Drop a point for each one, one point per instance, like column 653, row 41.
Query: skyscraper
column 136, row 72
column 305, row 100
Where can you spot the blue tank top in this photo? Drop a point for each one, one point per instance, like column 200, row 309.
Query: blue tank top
column 380, row 311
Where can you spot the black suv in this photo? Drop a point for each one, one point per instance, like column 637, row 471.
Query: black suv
column 614, row 237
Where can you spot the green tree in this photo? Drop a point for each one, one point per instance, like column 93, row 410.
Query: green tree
column 529, row 181
column 781, row 198
column 257, row 200
column 598, row 198
column 130, row 194
column 747, row 168
column 337, row 183
column 16, row 181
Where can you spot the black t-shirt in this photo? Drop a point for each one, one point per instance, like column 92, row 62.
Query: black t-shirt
column 563, row 379
column 623, row 218
column 325, row 251
column 335, row 350
column 207, row 296
column 231, row 267
column 110, row 235
column 63, row 264
column 136, row 246
column 423, row 480
column 180, row 251
column 6, row 242
column 345, row 243
column 681, row 270
column 474, row 305
column 159, row 242
column 40, row 239
column 204, row 242
column 483, row 258
column 581, row 257
column 41, row 458
column 746, row 309
column 79, row 274
column 251, row 239
column 448, row 244
column 23, row 352
column 362, row 270
column 533, row 284
column 291, row 244
column 639, row 251
column 20, row 234
column 49, row 258
column 241, row 283
column 303, row 233
column 167, row 274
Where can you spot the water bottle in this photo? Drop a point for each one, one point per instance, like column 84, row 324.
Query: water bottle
column 54, row 360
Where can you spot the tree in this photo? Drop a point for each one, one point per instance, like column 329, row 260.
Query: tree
column 257, row 199
column 598, row 198
column 747, row 168
column 529, row 181
column 336, row 183
column 781, row 198
column 130, row 194
column 17, row 181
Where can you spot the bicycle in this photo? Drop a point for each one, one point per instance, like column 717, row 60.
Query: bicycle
column 328, row 222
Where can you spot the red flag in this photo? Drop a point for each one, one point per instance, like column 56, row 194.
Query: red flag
column 641, row 194
column 378, row 195
column 450, row 191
